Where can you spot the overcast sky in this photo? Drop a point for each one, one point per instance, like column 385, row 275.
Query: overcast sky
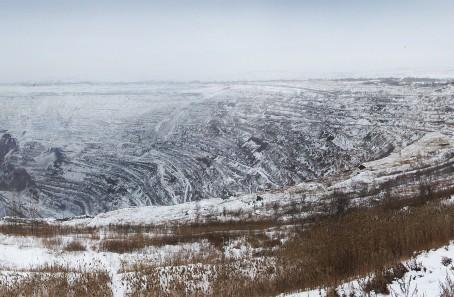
column 221, row 40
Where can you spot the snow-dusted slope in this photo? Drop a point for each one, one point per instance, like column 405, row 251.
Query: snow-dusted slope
column 429, row 160
column 71, row 149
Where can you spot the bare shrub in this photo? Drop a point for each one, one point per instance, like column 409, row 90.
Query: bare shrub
column 339, row 203
column 74, row 246
column 446, row 261
column 413, row 265
column 405, row 289
column 382, row 278
column 447, row 287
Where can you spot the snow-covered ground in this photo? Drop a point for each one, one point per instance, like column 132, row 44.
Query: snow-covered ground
column 19, row 255
column 23, row 254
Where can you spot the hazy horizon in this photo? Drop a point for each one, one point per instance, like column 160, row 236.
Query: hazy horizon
column 115, row 41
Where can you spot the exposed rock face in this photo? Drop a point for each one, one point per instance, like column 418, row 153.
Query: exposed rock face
column 11, row 178
column 14, row 179
column 7, row 145
column 87, row 148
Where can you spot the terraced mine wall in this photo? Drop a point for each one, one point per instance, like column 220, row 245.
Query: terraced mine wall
column 73, row 149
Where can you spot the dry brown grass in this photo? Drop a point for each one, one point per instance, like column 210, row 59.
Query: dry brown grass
column 363, row 241
column 42, row 229
column 321, row 251
column 134, row 242
column 325, row 253
column 224, row 277
column 124, row 243
column 41, row 283
column 337, row 249
column 52, row 243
